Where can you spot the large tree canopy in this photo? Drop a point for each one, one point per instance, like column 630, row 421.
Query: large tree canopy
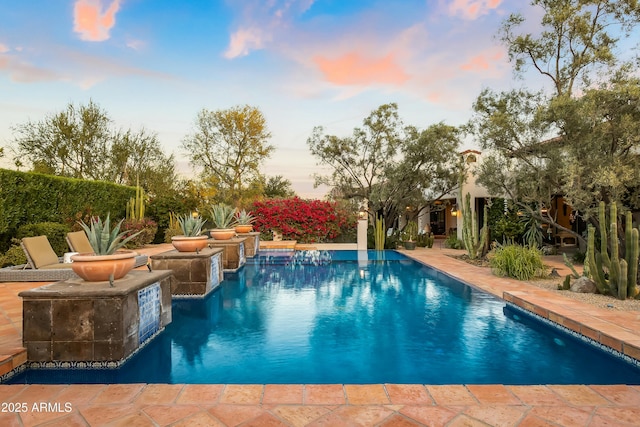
column 73, row 142
column 578, row 140
column 577, row 37
column 277, row 187
column 229, row 146
column 388, row 165
column 81, row 142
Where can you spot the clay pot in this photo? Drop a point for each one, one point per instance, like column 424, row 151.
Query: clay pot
column 189, row 243
column 99, row 268
column 223, row 233
column 248, row 228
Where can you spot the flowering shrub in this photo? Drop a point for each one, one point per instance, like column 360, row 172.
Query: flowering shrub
column 132, row 226
column 307, row 221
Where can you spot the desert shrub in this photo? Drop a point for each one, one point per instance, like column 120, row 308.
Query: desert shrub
column 146, row 226
column 14, row 256
column 452, row 242
column 425, row 240
column 519, row 262
column 579, row 257
column 55, row 232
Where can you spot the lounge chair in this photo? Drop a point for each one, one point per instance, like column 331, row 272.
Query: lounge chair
column 43, row 265
column 79, row 242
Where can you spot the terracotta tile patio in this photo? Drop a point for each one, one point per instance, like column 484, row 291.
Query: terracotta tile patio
column 335, row 404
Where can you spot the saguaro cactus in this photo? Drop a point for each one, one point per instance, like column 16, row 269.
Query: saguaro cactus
column 474, row 242
column 612, row 274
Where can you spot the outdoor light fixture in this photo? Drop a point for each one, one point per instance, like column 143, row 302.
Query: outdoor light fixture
column 454, row 210
column 362, row 214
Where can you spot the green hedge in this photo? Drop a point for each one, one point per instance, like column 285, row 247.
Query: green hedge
column 27, row 198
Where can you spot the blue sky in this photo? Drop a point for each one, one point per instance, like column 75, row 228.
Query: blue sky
column 304, row 63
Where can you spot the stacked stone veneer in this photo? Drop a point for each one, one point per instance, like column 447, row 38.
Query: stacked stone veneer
column 251, row 244
column 194, row 274
column 233, row 255
column 76, row 320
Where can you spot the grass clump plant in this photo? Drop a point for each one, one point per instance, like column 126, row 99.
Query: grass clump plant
column 518, row 262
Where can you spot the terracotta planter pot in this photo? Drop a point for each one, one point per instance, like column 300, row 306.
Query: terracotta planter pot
column 248, row 228
column 99, row 268
column 189, row 243
column 222, row 233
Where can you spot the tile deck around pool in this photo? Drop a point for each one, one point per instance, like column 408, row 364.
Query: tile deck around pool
column 338, row 405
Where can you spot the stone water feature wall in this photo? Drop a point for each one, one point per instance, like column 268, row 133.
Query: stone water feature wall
column 92, row 322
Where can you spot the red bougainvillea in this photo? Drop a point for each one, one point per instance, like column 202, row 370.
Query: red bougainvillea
column 307, row 221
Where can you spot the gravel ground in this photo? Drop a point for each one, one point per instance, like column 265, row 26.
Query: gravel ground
column 602, row 301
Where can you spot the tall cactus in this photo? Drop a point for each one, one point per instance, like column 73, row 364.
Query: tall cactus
column 135, row 206
column 632, row 253
column 474, row 242
column 614, row 275
column 379, row 233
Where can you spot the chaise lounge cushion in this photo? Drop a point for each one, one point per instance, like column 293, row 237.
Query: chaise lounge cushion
column 40, row 253
column 78, row 242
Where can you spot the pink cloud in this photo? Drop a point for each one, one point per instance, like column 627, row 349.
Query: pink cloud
column 243, row 41
column 472, row 9
column 483, row 62
column 4, row 48
column 261, row 23
column 22, row 72
column 62, row 65
column 91, row 21
column 355, row 69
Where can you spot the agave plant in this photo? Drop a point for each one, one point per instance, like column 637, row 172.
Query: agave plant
column 244, row 218
column 222, row 216
column 103, row 239
column 191, row 226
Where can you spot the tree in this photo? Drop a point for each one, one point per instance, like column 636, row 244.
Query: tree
column 387, row 165
column 81, row 142
column 230, row 145
column 548, row 144
column 139, row 155
column 601, row 130
column 577, row 36
column 73, row 142
column 278, row 187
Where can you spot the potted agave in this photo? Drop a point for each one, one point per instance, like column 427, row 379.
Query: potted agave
column 409, row 234
column 108, row 261
column 223, row 218
column 244, row 221
column 191, row 239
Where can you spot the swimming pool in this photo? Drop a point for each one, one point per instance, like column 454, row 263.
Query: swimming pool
column 353, row 317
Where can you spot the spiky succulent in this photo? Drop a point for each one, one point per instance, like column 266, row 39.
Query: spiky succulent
column 244, row 218
column 222, row 216
column 191, row 226
column 105, row 240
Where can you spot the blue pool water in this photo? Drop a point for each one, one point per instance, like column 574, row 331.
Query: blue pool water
column 329, row 317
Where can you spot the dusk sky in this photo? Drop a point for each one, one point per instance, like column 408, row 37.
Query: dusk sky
column 303, row 63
